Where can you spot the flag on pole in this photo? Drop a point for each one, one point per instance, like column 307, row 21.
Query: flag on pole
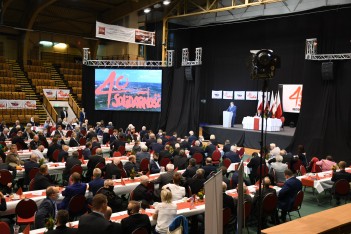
column 259, row 104
column 279, row 111
column 266, row 104
column 274, row 110
column 272, row 103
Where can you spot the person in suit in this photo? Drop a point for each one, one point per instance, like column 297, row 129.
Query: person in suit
column 164, row 179
column 143, row 132
column 142, row 192
column 93, row 161
column 180, row 160
column 130, row 165
column 226, row 146
column 73, row 142
column 342, row 174
column 253, row 165
column 287, row 157
column 97, row 182
column 197, row 149
column 116, row 227
column 12, row 158
column 113, row 201
column 63, row 113
column 192, row 138
column 95, row 143
column 87, row 151
column 154, row 165
column 91, row 134
column 190, row 171
column 224, row 176
column 228, row 202
column 71, row 161
column 185, row 144
column 62, row 218
column 59, row 132
column 287, row 194
column 157, row 146
column 53, row 146
column 48, row 208
column 232, row 155
column 143, row 154
column 279, row 167
column 18, row 139
column 212, row 146
column 114, row 136
column 63, row 155
column 135, row 220
column 29, row 165
column 34, row 144
column 165, row 153
column 232, row 108
column 77, row 188
column 196, row 183
column 4, row 135
column 151, row 139
column 42, row 179
column 106, row 136
column 95, row 222
column 112, row 169
column 81, row 116
column 209, row 167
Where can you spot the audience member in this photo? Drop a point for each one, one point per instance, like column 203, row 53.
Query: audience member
column 112, row 169
column 209, row 167
column 142, row 192
column 97, row 182
column 135, row 220
column 178, row 192
column 180, row 160
column 61, row 224
column 165, row 212
column 63, row 155
column 190, row 171
column 93, row 161
column 232, row 155
column 327, row 163
column 77, row 188
column 131, row 165
column 42, row 179
column 342, row 174
column 71, row 161
column 279, row 168
column 48, row 208
column 154, row 164
column 113, row 200
column 197, row 182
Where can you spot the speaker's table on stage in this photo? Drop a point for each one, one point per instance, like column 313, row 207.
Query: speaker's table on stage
column 254, row 123
column 227, row 119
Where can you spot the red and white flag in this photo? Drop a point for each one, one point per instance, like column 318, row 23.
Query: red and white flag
column 272, row 103
column 279, row 111
column 259, row 103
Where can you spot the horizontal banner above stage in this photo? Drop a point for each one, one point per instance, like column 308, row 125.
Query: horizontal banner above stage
column 56, row 93
column 18, row 104
column 119, row 33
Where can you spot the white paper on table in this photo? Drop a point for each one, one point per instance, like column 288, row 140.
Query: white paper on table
column 37, row 193
column 152, row 211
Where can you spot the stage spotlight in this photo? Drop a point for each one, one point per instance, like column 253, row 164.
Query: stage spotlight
column 166, row 2
column 147, row 10
column 264, row 64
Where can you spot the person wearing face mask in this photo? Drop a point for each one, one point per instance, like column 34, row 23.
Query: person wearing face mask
column 135, row 220
column 48, row 208
column 113, row 200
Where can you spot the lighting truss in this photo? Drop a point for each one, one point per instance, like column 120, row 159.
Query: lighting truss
column 311, row 52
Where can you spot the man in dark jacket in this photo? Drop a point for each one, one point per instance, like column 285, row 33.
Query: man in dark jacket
column 71, row 161
column 47, row 208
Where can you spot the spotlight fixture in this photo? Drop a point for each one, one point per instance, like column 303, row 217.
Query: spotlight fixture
column 147, row 10
column 166, row 2
column 264, row 65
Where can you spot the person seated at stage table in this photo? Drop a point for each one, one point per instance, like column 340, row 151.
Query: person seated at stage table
column 97, row 182
column 327, row 163
column 114, row 201
column 339, row 175
column 87, row 151
column 135, row 220
column 165, row 212
column 12, row 158
column 286, row 196
column 232, row 155
column 196, row 183
column 42, row 179
column 180, row 160
column 18, row 139
column 93, row 161
column 62, row 219
column 279, row 167
column 48, row 208
column 157, row 146
column 178, row 192
column 73, row 142
column 76, row 188
column 71, row 161
column 190, row 171
column 112, row 169
column 197, row 149
column 63, row 155
column 142, row 193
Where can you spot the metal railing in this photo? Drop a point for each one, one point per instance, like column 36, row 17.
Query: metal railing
column 50, row 109
column 74, row 105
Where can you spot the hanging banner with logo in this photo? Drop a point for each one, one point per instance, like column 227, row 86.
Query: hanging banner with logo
column 14, row 104
column 292, row 97
column 62, row 93
column 119, row 33
column 3, row 104
column 30, row 104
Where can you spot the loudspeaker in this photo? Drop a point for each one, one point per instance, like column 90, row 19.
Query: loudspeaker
column 189, row 73
column 327, row 71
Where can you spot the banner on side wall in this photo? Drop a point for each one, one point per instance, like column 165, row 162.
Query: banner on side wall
column 292, row 97
column 3, row 104
column 62, row 93
column 56, row 93
column 15, row 104
column 119, row 33
column 50, row 93
column 30, row 104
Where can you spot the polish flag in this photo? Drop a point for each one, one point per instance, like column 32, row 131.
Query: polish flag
column 272, row 103
column 259, row 104
column 279, row 111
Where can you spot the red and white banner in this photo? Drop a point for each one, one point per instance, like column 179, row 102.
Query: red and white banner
column 130, row 35
column 292, row 97
column 15, row 104
column 30, row 104
column 3, row 104
column 56, row 93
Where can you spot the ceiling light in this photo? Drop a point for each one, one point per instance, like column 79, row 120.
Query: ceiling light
column 147, row 10
column 60, row 46
column 45, row 43
column 157, row 5
column 166, row 2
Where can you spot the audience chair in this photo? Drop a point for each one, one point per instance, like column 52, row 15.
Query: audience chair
column 302, row 170
column 5, row 177
column 226, row 162
column 80, row 153
column 247, row 213
column 144, row 165
column 122, row 149
column 164, row 162
column 297, row 204
column 55, row 155
column 117, row 154
column 33, row 172
column 69, row 133
column 31, row 185
column 93, row 150
column 76, row 168
column 25, row 211
column 4, row 228
column 140, row 230
column 341, row 189
column 77, row 206
column 199, row 158
column 264, row 170
column 228, row 224
column 216, row 157
column 82, row 140
column 123, row 173
column 269, row 206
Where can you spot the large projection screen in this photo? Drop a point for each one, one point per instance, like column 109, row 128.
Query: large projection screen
column 128, row 89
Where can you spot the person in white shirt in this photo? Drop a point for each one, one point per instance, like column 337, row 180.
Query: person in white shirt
column 165, row 212
column 39, row 152
column 178, row 192
column 279, row 167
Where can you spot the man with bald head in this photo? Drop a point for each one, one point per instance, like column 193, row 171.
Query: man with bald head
column 63, row 155
column 135, row 219
column 39, row 152
column 197, row 149
column 29, row 165
column 113, row 170
column 47, row 208
column 142, row 192
column 34, row 144
column 93, row 161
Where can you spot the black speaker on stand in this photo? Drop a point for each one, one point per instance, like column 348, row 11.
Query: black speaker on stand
column 328, row 71
column 189, row 73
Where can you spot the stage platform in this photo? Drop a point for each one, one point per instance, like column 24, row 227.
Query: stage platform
column 248, row 138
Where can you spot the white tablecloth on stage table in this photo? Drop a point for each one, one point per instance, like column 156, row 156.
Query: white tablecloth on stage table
column 273, row 125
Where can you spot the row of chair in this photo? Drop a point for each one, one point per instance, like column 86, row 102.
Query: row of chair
column 77, row 84
column 22, row 118
column 33, row 68
column 6, row 73
column 5, row 66
column 42, row 82
column 39, row 88
column 72, row 77
column 17, row 111
column 13, row 95
column 77, row 90
column 35, row 62
column 8, row 80
column 10, row 87
column 70, row 71
column 71, row 65
column 39, row 75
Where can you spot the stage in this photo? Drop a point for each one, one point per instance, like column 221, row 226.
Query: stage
column 248, row 138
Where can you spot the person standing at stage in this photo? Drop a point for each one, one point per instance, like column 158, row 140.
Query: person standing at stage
column 232, row 108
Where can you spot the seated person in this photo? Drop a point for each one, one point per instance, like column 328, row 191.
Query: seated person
column 165, row 212
column 190, row 171
column 112, row 169
column 42, row 179
column 48, row 208
column 97, row 182
column 197, row 182
column 279, row 167
column 131, row 165
column 77, row 188
column 154, row 164
column 327, row 163
column 178, row 192
column 339, row 175
column 71, row 161
column 62, row 218
column 113, row 200
column 142, row 192
column 209, row 167
column 12, row 158
column 135, row 220
column 228, row 202
column 29, row 165
column 116, row 227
